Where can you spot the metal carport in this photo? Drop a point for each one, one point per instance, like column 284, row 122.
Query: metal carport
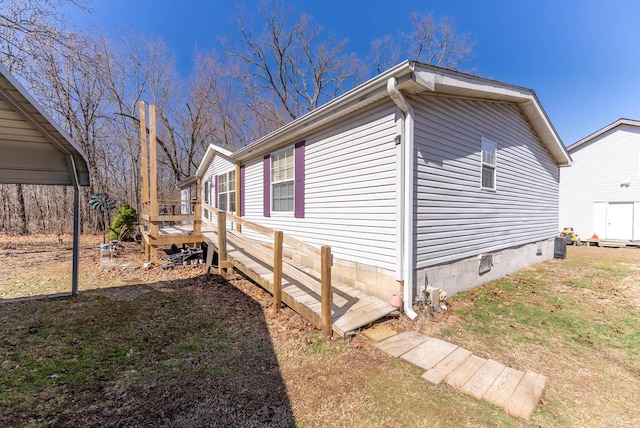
column 35, row 150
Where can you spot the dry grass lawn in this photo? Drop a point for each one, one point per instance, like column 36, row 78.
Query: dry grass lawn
column 174, row 348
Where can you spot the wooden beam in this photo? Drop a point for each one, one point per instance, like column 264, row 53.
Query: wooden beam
column 303, row 247
column 222, row 240
column 277, row 270
column 170, row 217
column 153, row 180
column 153, row 173
column 144, row 168
column 174, row 239
column 197, row 210
column 238, row 226
column 325, row 286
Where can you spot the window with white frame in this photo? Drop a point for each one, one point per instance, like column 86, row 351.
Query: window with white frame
column 227, row 191
column 207, row 191
column 489, row 152
column 282, row 188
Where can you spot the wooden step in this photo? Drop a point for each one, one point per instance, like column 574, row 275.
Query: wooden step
column 515, row 391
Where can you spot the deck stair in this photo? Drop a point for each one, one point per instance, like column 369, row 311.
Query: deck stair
column 301, row 287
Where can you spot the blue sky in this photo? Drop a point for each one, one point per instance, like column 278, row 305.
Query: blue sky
column 582, row 58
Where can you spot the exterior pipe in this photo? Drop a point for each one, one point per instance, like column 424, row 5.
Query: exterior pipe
column 406, row 225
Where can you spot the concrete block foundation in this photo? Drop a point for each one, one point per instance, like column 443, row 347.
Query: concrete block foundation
column 464, row 274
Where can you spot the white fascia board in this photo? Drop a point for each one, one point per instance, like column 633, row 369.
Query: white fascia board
column 366, row 93
column 208, row 158
column 428, row 78
column 463, row 85
column 449, row 82
column 599, row 132
column 545, row 130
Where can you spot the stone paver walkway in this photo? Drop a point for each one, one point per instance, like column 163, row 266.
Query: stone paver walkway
column 516, row 391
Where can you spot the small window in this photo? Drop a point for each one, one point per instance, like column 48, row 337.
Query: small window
column 489, row 152
column 227, row 191
column 282, row 180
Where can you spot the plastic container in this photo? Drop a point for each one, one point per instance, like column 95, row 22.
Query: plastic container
column 104, row 250
column 396, row 301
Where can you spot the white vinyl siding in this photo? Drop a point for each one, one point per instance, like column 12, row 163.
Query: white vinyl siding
column 456, row 218
column 219, row 165
column 350, row 176
column 597, row 178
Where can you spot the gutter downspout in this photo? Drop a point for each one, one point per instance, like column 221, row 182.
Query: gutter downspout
column 406, row 225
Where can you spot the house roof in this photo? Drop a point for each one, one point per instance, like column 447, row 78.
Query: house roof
column 208, row 157
column 413, row 78
column 588, row 138
column 33, row 148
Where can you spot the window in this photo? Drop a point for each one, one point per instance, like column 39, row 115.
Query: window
column 227, row 191
column 489, row 151
column 282, row 189
column 207, row 191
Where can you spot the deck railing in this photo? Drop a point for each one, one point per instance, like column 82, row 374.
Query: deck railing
column 278, row 239
column 167, row 212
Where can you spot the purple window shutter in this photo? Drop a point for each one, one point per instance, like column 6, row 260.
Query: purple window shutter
column 266, row 186
column 241, row 190
column 215, row 202
column 298, row 183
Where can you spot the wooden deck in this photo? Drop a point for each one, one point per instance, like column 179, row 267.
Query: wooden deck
column 611, row 243
column 516, row 391
column 350, row 310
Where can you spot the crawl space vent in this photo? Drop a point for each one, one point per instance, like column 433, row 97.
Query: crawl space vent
column 486, row 261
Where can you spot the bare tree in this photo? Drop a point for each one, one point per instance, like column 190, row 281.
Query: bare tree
column 25, row 25
column 289, row 61
column 431, row 41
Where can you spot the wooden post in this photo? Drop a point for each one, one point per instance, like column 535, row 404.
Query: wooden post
column 144, row 172
column 144, row 168
column 277, row 270
column 238, row 226
column 153, row 174
column 222, row 240
column 153, row 181
column 326, row 295
column 197, row 210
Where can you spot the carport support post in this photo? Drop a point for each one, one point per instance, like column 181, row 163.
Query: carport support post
column 76, row 240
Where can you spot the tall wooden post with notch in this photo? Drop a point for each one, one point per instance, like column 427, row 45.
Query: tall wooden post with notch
column 144, row 177
column 149, row 177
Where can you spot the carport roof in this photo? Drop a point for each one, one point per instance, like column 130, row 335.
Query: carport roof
column 33, row 148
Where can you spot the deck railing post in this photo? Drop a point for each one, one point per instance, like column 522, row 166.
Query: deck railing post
column 277, row 270
column 326, row 295
column 222, row 240
column 197, row 210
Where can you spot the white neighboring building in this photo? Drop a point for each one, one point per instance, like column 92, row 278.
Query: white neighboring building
column 418, row 176
column 600, row 193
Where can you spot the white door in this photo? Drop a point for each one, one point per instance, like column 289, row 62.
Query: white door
column 620, row 221
column 600, row 219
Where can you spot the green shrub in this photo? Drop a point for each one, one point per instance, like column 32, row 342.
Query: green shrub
column 123, row 224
